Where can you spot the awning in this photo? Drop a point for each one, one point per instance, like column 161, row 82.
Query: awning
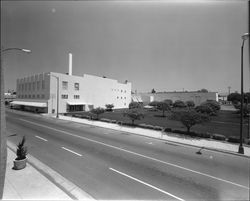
column 78, row 103
column 34, row 104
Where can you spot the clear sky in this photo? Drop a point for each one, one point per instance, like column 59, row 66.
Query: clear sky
column 163, row 45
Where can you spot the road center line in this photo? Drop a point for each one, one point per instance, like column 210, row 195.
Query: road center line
column 71, row 151
column 142, row 182
column 134, row 153
column 41, row 138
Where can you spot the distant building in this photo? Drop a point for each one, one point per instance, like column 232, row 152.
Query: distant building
column 38, row 93
column 9, row 97
column 197, row 97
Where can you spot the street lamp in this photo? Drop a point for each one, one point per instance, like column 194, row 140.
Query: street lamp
column 57, row 99
column 3, row 147
column 241, row 149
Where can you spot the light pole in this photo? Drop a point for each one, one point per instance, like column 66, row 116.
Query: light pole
column 57, row 98
column 241, row 149
column 3, row 145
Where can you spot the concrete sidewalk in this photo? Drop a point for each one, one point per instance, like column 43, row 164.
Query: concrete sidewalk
column 209, row 144
column 37, row 182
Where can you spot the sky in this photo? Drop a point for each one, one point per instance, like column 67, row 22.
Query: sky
column 165, row 45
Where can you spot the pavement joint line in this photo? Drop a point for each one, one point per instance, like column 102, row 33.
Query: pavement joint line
column 147, row 184
column 141, row 155
column 72, row 190
column 41, row 138
column 71, row 151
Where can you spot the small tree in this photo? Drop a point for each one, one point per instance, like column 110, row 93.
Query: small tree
column 205, row 109
column 189, row 118
column 213, row 104
column 234, row 97
column 168, row 101
column 135, row 105
column 153, row 103
column 179, row 104
column 163, row 107
column 109, row 107
column 134, row 114
column 98, row 111
column 153, row 91
column 190, row 103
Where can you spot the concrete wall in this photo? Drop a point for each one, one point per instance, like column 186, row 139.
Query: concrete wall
column 197, row 97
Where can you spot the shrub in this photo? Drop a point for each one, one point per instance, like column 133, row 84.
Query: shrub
column 109, row 107
column 168, row 130
column 204, row 135
column 134, row 114
column 219, row 137
column 190, row 104
column 158, row 128
column 192, row 133
column 179, row 131
column 233, row 139
column 135, row 105
column 204, row 109
column 179, row 104
column 97, row 112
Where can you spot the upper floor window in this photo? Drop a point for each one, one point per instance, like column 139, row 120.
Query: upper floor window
column 65, row 85
column 64, row 96
column 38, row 85
column 43, row 96
column 77, row 86
column 34, row 84
column 43, row 84
column 76, row 96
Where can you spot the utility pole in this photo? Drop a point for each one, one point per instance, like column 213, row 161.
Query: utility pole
column 229, row 90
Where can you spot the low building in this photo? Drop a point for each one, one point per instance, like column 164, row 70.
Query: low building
column 38, row 93
column 197, row 97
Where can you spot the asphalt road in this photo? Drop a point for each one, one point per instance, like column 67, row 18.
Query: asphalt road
column 111, row 164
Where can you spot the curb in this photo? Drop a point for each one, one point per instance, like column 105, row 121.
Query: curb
column 199, row 147
column 68, row 187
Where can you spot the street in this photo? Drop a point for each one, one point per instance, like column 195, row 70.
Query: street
column 110, row 164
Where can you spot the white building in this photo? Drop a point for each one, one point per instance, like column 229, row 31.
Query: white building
column 38, row 93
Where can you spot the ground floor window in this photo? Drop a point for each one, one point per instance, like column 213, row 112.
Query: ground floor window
column 74, row 108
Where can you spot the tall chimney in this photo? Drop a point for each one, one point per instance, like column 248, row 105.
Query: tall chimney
column 70, row 63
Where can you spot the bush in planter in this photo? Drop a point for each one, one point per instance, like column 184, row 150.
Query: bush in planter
column 234, row 139
column 21, row 153
column 219, row 137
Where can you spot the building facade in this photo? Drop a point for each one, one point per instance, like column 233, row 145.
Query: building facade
column 41, row 93
column 197, row 97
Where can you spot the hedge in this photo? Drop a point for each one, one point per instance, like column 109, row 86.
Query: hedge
column 219, row 137
column 167, row 129
column 234, row 139
column 204, row 135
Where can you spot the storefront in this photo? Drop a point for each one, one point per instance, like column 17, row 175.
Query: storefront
column 37, row 107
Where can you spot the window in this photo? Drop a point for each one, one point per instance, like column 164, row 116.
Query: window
column 64, row 96
column 33, row 96
column 77, row 86
column 29, row 96
column 42, row 96
column 34, row 86
column 76, row 96
column 121, row 90
column 38, row 85
column 121, row 97
column 124, row 91
column 43, row 84
column 38, row 96
column 29, row 86
column 64, row 85
column 117, row 97
column 25, row 96
column 124, row 97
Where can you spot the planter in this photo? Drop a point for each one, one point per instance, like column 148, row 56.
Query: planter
column 19, row 164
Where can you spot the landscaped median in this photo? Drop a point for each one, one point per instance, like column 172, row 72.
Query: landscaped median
column 211, row 141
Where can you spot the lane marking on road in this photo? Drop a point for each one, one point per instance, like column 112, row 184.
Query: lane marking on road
column 149, row 142
column 142, row 182
column 41, row 138
column 137, row 154
column 71, row 151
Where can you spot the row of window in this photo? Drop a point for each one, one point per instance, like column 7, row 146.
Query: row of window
column 38, row 96
column 121, row 97
column 65, row 96
column 65, row 86
column 31, row 86
column 118, row 90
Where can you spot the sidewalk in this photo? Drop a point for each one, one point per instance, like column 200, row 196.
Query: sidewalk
column 37, row 182
column 209, row 144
